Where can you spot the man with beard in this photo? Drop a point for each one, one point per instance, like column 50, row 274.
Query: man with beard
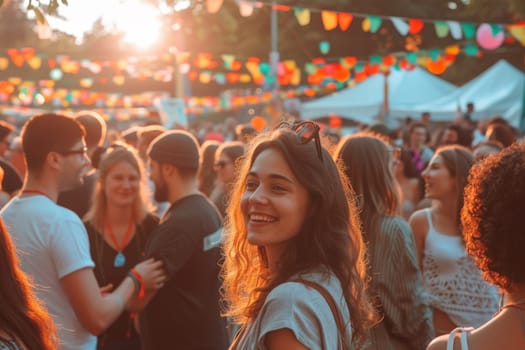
column 185, row 313
column 52, row 243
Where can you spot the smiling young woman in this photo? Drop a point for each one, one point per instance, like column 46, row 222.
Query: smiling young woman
column 294, row 268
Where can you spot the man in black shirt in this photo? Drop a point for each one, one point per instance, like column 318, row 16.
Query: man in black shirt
column 184, row 314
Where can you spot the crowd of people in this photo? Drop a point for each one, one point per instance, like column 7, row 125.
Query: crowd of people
column 283, row 238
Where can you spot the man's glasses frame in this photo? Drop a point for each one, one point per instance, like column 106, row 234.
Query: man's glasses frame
column 307, row 131
column 81, row 151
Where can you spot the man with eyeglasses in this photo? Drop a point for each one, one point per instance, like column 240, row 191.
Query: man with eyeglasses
column 78, row 199
column 51, row 241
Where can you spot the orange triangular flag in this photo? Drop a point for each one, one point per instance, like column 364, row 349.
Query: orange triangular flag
column 329, row 19
column 345, row 19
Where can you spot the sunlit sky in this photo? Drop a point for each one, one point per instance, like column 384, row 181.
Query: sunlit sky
column 137, row 20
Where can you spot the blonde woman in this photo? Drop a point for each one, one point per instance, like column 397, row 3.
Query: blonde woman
column 118, row 224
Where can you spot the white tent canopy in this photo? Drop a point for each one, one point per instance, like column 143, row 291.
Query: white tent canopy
column 499, row 90
column 364, row 101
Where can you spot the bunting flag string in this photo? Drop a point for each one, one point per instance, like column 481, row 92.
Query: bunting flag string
column 228, row 69
column 27, row 94
column 332, row 19
column 322, row 75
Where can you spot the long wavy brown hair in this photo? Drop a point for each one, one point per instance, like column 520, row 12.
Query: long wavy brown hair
column 330, row 237
column 366, row 160
column 22, row 315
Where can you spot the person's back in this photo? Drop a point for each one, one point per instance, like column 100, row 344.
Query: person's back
column 407, row 322
column 396, row 288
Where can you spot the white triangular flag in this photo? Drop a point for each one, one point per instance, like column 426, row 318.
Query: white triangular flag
column 401, row 26
column 455, row 29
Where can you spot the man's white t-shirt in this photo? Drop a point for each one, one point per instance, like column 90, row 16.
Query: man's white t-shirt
column 51, row 242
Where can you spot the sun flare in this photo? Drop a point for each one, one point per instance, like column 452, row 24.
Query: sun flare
column 139, row 22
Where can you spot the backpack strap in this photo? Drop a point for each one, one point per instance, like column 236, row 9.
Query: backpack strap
column 331, row 303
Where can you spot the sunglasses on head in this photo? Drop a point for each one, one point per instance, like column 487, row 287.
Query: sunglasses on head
column 306, row 130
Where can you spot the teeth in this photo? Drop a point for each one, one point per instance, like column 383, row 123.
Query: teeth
column 264, row 218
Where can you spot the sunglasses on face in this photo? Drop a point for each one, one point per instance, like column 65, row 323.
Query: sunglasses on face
column 306, row 130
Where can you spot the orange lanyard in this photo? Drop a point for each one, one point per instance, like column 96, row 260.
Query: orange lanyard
column 129, row 232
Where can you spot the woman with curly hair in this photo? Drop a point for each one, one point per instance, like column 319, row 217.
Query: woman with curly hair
column 492, row 218
column 294, row 266
column 24, row 323
column 397, row 288
column 458, row 293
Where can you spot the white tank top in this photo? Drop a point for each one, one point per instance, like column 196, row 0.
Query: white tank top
column 454, row 282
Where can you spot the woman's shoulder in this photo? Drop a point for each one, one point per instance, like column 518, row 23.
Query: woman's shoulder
column 440, row 343
column 295, row 290
column 419, row 219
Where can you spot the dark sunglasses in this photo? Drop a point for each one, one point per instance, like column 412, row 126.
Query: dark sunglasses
column 307, row 131
column 81, row 151
column 220, row 164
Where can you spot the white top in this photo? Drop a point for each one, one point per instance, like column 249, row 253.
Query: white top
column 304, row 311
column 454, row 282
column 51, row 242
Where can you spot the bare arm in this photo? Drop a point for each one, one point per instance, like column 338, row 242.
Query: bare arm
column 418, row 223
column 97, row 311
column 283, row 339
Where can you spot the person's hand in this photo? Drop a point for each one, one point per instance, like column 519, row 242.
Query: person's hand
column 106, row 289
column 152, row 273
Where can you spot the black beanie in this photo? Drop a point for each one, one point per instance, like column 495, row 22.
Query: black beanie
column 175, row 147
